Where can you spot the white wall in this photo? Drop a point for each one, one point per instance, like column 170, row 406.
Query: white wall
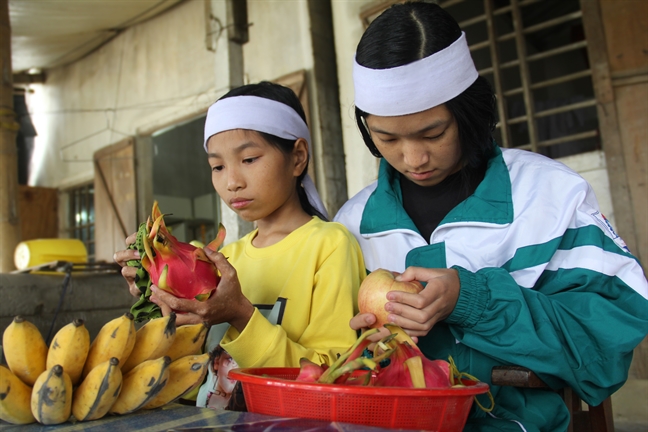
column 592, row 167
column 280, row 40
column 361, row 166
column 148, row 77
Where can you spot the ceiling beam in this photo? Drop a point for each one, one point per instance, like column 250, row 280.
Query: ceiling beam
column 28, row 78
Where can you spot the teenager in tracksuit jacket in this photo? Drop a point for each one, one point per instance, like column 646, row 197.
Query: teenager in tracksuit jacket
column 541, row 279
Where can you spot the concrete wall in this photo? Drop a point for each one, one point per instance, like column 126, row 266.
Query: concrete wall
column 94, row 298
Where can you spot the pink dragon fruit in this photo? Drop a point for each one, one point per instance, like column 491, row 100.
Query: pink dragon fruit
column 179, row 268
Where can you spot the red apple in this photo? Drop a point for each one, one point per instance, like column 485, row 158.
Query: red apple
column 372, row 295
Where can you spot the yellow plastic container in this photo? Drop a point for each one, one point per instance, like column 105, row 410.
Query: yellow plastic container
column 32, row 253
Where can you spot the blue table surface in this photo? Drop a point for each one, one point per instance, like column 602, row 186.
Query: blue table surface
column 176, row 417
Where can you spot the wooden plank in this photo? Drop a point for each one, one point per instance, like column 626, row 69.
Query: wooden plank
column 624, row 22
column 632, row 105
column 38, row 208
column 609, row 122
column 118, row 167
column 516, row 376
column 617, row 42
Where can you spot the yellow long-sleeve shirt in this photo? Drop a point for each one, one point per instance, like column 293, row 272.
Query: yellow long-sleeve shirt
column 305, row 291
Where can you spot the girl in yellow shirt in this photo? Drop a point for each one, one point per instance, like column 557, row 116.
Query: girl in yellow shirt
column 289, row 288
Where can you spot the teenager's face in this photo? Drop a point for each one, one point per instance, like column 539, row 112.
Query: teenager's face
column 424, row 147
column 251, row 176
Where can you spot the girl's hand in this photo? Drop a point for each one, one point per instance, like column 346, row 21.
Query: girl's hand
column 418, row 313
column 128, row 272
column 226, row 304
column 363, row 321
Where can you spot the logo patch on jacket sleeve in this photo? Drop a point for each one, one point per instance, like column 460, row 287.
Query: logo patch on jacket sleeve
column 607, row 227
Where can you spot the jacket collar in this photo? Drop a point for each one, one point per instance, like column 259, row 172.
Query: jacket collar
column 491, row 203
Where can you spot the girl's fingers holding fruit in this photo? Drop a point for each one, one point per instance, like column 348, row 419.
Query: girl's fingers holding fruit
column 164, row 299
column 122, row 257
column 130, row 273
column 362, row 320
column 131, row 239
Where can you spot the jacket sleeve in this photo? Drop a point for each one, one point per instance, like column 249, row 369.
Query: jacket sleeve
column 577, row 326
column 327, row 334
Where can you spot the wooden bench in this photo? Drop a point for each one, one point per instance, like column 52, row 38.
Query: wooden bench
column 594, row 419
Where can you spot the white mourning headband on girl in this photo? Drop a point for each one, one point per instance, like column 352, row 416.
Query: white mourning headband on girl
column 262, row 115
column 416, row 86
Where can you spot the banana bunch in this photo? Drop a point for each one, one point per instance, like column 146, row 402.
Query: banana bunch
column 69, row 348
column 115, row 339
column 25, row 350
column 185, row 374
column 15, row 399
column 120, row 372
column 152, row 341
column 51, row 397
column 98, row 391
column 189, row 339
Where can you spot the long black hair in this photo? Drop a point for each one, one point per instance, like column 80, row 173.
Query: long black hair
column 286, row 96
column 408, row 32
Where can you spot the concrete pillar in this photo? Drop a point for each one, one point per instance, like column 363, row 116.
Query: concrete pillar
column 9, row 220
column 330, row 168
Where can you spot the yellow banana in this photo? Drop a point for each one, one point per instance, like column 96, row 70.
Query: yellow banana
column 185, row 374
column 115, row 339
column 69, row 348
column 24, row 349
column 51, row 399
column 15, row 399
column 189, row 340
column 141, row 384
column 98, row 391
column 153, row 341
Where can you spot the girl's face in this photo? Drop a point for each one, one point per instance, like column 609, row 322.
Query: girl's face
column 424, row 146
column 226, row 364
column 254, row 178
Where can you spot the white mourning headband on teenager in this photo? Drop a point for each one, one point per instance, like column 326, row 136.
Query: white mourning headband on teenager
column 262, row 115
column 416, row 86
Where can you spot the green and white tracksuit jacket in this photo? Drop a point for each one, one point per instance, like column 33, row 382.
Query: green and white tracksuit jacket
column 545, row 283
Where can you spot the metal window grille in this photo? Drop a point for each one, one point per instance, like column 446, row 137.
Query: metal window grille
column 81, row 223
column 534, row 54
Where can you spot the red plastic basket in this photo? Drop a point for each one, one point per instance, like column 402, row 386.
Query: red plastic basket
column 274, row 391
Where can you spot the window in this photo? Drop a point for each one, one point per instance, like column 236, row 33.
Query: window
column 81, row 223
column 534, row 54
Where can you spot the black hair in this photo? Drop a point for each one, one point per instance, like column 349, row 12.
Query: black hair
column 408, row 32
column 286, row 96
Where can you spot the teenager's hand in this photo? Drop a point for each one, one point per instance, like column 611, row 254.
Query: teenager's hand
column 226, row 304
column 418, row 313
column 128, row 272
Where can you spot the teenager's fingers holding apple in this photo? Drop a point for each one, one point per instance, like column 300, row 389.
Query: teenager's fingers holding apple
column 411, row 327
column 415, row 300
column 417, row 274
column 372, row 295
column 413, row 318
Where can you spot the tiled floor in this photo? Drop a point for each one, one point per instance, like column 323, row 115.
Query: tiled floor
column 630, row 407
